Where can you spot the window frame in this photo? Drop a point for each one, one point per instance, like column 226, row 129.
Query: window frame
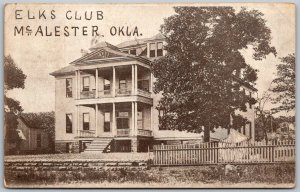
column 152, row 50
column 70, row 129
column 86, row 125
column 107, row 122
column 84, row 87
column 70, row 88
column 159, row 50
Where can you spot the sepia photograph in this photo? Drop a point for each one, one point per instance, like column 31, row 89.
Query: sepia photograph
column 198, row 95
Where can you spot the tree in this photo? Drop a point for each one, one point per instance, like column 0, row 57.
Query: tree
column 203, row 71
column 284, row 88
column 13, row 78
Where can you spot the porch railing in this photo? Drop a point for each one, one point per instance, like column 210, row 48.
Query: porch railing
column 87, row 94
column 123, row 92
column 144, row 93
column 104, row 93
column 143, row 132
column 86, row 133
column 123, row 132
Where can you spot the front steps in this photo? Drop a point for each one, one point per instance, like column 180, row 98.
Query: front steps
column 99, row 145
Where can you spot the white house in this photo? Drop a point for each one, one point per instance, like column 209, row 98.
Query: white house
column 104, row 100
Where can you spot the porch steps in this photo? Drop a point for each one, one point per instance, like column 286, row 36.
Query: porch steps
column 98, row 145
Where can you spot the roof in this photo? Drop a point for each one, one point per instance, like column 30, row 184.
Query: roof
column 104, row 44
column 65, row 70
column 42, row 120
column 138, row 42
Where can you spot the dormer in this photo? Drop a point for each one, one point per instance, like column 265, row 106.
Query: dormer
column 155, row 46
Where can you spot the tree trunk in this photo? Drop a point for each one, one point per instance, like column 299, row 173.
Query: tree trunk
column 207, row 133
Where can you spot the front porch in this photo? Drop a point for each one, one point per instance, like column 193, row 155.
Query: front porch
column 127, row 119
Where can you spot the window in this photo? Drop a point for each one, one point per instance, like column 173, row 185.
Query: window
column 38, row 140
column 160, row 117
column 133, row 51
column 159, row 49
column 122, row 84
column 107, row 122
column 68, row 87
column 152, row 49
column 122, row 123
column 123, row 120
column 86, row 83
column 86, row 121
column 140, row 119
column 69, row 128
column 143, row 85
column 106, row 86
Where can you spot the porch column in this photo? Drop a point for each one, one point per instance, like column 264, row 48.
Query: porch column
column 96, row 120
column 151, row 82
column 132, row 80
column 136, row 79
column 77, row 119
column 79, row 85
column 135, row 119
column 114, row 119
column 96, row 82
column 114, row 83
column 151, row 118
column 132, row 119
column 76, row 84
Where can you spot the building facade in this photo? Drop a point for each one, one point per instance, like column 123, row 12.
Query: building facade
column 104, row 100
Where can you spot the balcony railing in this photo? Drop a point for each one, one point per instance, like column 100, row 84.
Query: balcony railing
column 104, row 94
column 123, row 132
column 87, row 133
column 143, row 132
column 87, row 94
column 144, row 93
column 123, row 92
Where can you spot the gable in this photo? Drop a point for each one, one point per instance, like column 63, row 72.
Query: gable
column 104, row 53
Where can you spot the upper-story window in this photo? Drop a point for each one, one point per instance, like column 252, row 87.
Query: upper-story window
column 69, row 87
column 86, row 83
column 132, row 51
column 106, row 86
column 152, row 49
column 159, row 49
column 122, row 83
column 69, row 123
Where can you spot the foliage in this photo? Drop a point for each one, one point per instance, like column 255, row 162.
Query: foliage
column 202, row 75
column 13, row 75
column 13, row 78
column 285, row 84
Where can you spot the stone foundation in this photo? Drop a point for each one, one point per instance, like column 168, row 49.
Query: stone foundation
column 67, row 147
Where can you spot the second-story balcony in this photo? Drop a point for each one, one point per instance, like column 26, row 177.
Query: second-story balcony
column 118, row 81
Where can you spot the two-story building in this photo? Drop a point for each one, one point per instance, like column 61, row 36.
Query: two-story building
column 104, row 100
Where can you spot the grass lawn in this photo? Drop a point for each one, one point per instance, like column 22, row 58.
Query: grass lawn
column 258, row 176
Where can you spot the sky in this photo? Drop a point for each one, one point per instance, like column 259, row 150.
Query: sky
column 38, row 56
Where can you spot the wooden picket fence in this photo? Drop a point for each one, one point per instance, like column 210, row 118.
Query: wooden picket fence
column 224, row 153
